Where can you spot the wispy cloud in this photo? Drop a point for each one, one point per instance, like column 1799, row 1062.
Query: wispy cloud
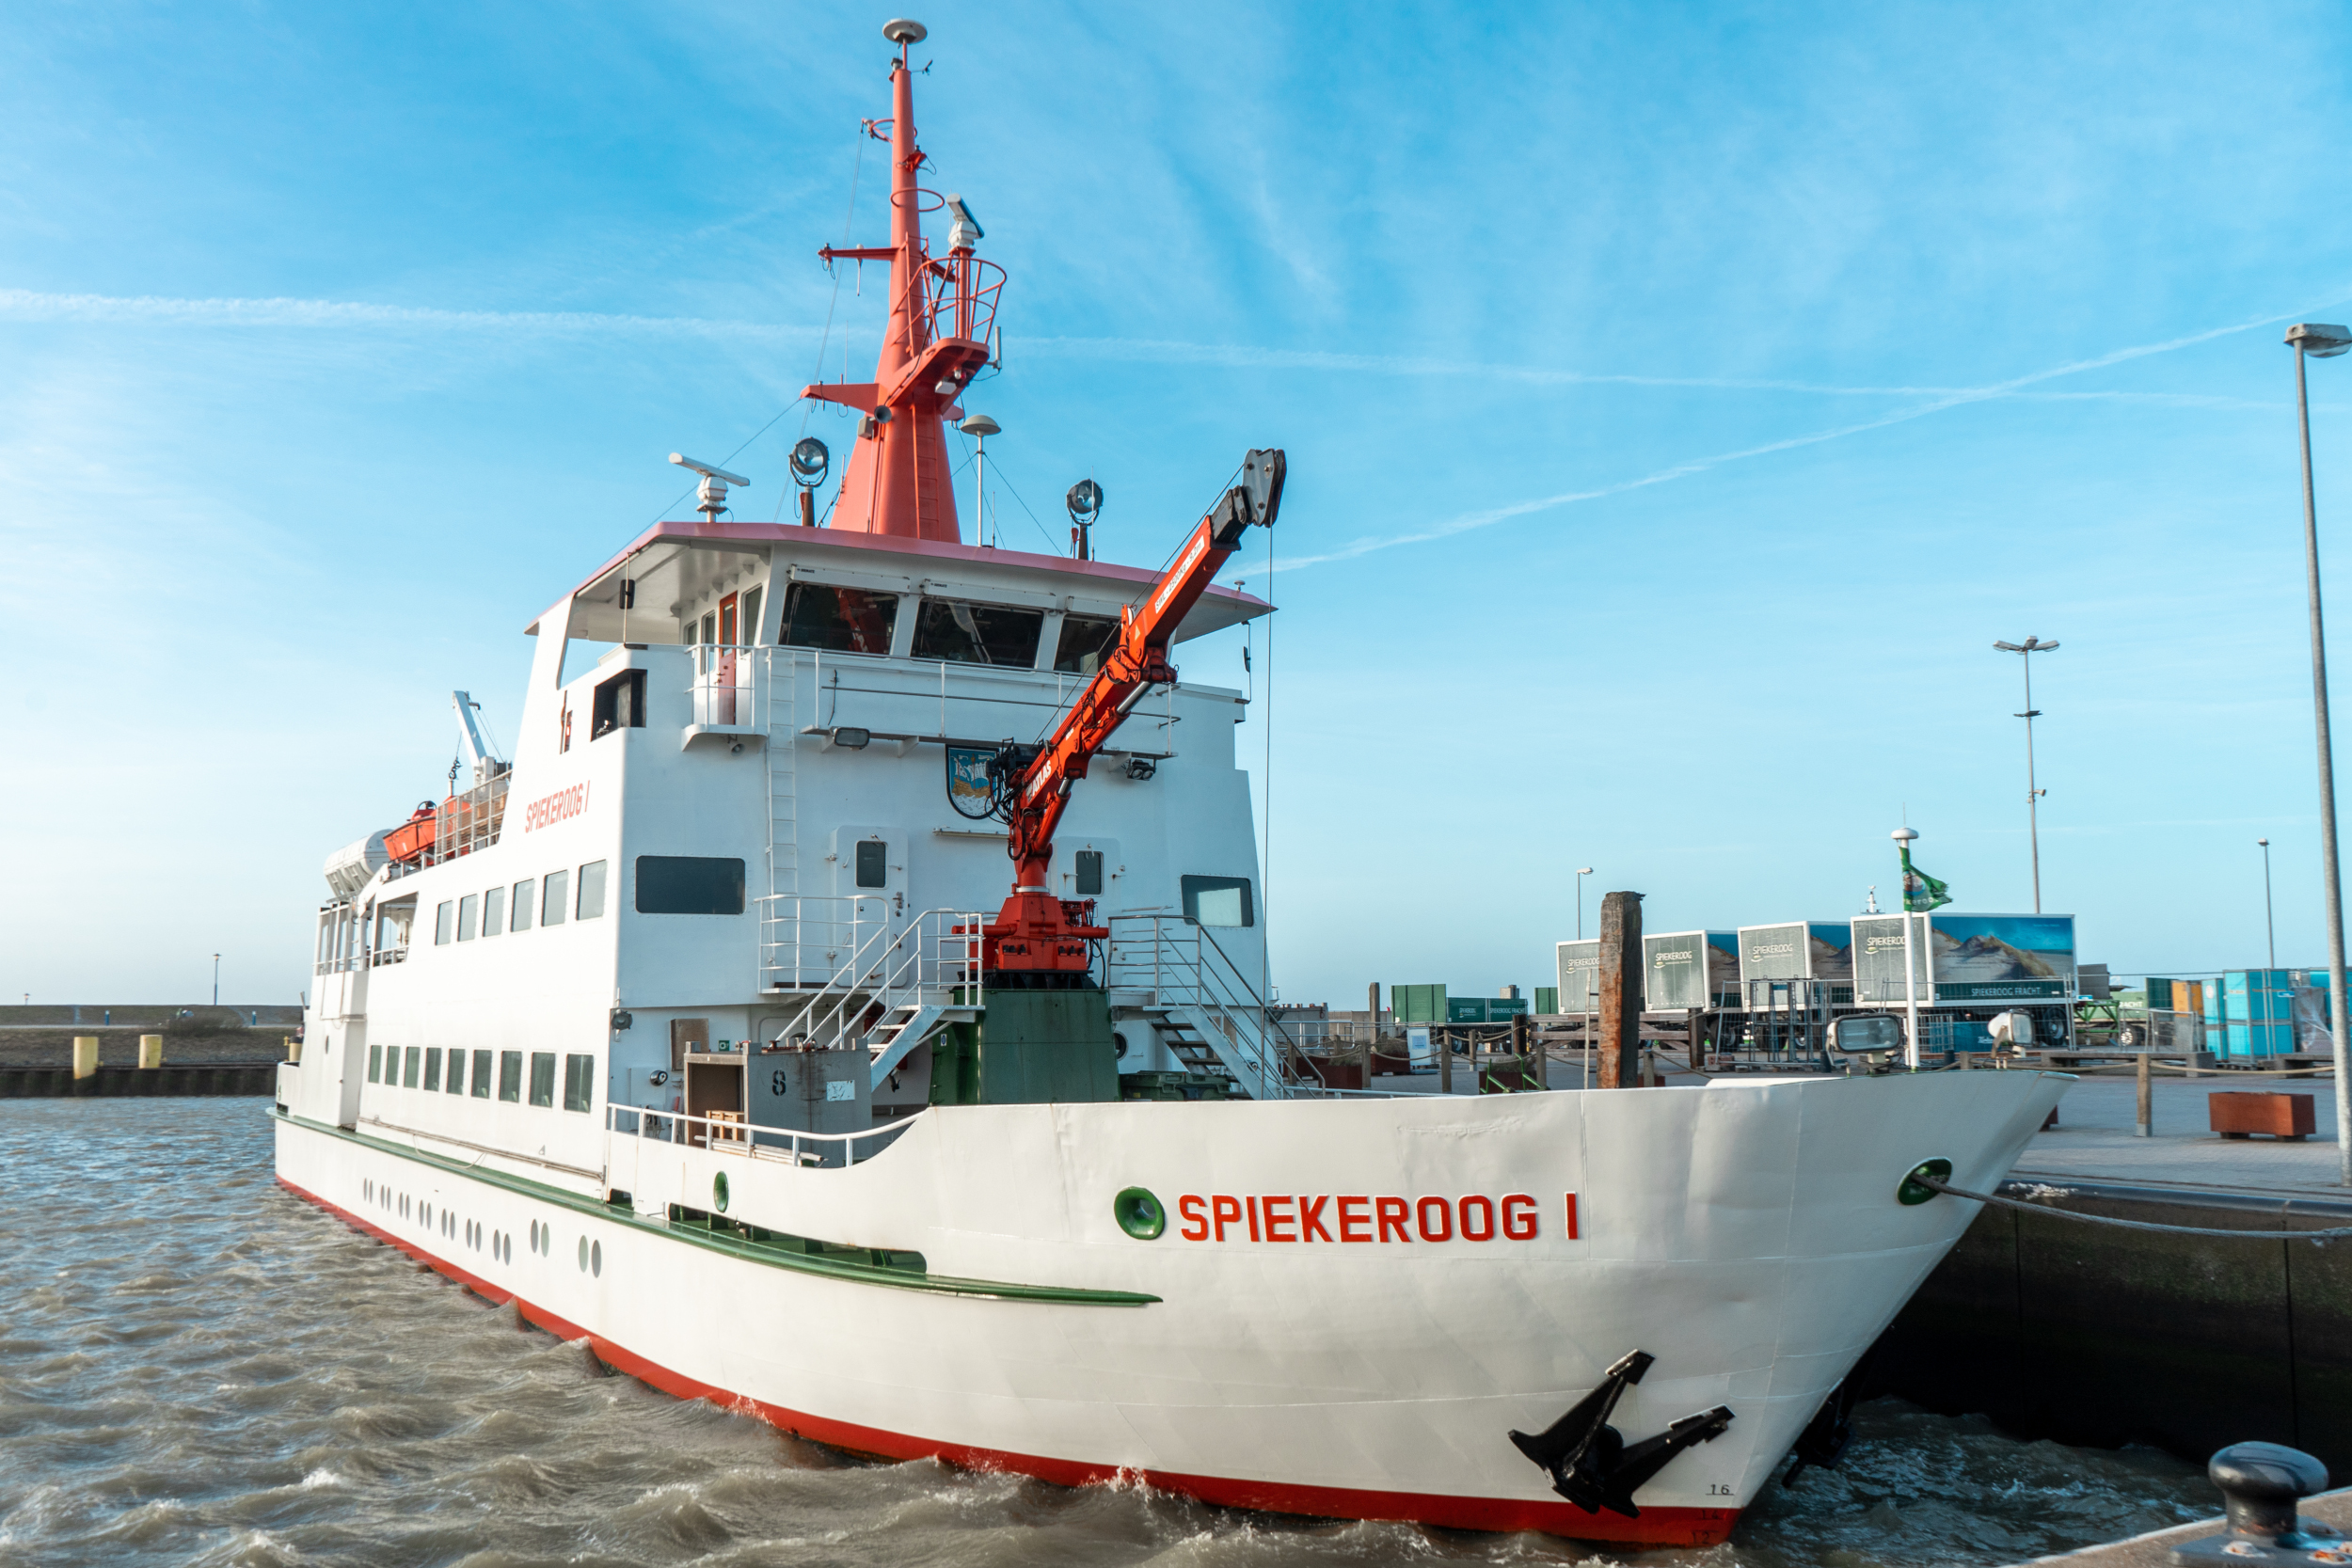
column 1467, row 521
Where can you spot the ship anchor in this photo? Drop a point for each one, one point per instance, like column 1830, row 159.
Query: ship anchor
column 1589, row 1461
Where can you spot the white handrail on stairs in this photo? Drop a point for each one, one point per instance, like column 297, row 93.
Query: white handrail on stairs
column 1181, row 964
column 933, row 959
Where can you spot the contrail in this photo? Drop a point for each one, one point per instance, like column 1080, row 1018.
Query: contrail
column 1488, row 518
column 28, row 306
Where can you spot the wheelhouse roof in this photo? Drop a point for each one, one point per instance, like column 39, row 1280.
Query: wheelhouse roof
column 675, row 564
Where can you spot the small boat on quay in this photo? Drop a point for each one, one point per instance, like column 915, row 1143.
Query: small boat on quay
column 774, row 1019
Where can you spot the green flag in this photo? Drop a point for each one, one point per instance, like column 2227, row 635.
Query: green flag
column 1921, row 892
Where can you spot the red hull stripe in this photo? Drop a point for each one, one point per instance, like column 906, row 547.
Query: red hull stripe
column 1664, row 1526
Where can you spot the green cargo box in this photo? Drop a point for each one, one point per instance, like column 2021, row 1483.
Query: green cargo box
column 1029, row 1048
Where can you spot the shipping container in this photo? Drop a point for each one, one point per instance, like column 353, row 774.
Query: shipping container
column 1483, row 1009
column 1546, row 999
column 2249, row 1040
column 1797, row 950
column 1580, row 976
column 1418, row 1004
column 1686, row 970
column 1973, row 957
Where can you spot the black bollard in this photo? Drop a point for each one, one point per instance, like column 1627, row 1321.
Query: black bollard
column 2262, row 1482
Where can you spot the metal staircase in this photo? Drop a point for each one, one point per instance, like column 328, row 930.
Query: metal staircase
column 1173, row 973
column 896, row 986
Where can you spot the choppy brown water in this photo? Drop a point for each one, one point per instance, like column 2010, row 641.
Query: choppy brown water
column 197, row 1367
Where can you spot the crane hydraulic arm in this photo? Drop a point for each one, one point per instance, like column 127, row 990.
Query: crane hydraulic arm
column 1037, row 939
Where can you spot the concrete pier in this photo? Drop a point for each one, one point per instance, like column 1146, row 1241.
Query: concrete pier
column 2102, row 1335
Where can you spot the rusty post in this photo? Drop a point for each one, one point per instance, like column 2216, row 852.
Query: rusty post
column 1620, row 990
column 1372, row 1015
column 1522, row 1046
column 2147, row 1109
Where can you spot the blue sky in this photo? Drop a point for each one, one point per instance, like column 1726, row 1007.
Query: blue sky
column 1679, row 402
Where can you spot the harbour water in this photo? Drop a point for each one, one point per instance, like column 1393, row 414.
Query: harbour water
column 197, row 1367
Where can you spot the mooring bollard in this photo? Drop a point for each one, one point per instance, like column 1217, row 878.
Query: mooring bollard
column 84, row 1056
column 2262, row 1482
column 150, row 1051
column 2147, row 1106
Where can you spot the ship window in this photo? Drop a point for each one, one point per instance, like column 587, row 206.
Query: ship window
column 494, row 912
column 552, row 897
column 619, row 705
column 873, row 870
column 482, row 1075
column 1218, row 901
column 579, row 1082
column 542, row 1078
column 391, row 926
column 1088, row 866
column 753, row 597
column 375, row 1064
column 1085, row 639
column 444, row 921
column 509, row 1075
column 414, row 1065
column 688, row 884
column 468, row 911
column 433, row 1067
column 456, row 1071
column 522, row 903
column 843, row 620
column 592, row 890
column 978, row 633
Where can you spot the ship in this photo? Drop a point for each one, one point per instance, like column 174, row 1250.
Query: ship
column 847, row 1004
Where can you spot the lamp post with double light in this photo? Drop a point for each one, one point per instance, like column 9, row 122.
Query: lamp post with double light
column 1581, row 872
column 2316, row 340
column 2026, row 651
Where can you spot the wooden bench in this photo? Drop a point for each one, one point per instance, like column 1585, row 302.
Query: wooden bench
column 2241, row 1114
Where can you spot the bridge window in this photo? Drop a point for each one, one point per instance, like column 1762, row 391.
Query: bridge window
column 1085, row 639
column 844, row 620
column 979, row 634
column 1218, row 901
column 688, row 884
column 619, row 705
column 873, row 862
column 579, row 1082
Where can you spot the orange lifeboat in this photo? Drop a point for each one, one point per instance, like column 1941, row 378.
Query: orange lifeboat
column 413, row 839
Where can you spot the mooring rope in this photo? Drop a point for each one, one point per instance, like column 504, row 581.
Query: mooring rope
column 1941, row 1186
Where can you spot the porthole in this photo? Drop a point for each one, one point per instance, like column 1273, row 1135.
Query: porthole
column 583, row 1252
column 596, row 1259
column 719, row 1192
column 534, row 1235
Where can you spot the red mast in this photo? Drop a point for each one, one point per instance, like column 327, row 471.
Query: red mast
column 896, row 478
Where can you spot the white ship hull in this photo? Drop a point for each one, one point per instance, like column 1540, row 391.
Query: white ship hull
column 1746, row 1234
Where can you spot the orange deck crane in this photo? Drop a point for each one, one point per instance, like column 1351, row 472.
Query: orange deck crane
column 1037, row 941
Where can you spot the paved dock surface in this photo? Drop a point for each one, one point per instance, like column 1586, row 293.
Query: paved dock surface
column 2155, row 1549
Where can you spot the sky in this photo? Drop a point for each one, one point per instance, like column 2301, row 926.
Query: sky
column 1679, row 402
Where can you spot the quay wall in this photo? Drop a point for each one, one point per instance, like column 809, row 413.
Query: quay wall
column 2098, row 1336
column 210, row 1078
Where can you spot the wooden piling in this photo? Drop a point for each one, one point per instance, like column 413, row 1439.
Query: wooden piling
column 1620, row 990
column 2147, row 1109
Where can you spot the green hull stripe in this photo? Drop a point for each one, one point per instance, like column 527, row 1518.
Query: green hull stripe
column 831, row 1268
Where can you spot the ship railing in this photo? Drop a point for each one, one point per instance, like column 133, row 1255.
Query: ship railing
column 720, row 694
column 1181, row 965
column 807, row 940
column 726, row 1133
column 928, row 960
column 960, row 296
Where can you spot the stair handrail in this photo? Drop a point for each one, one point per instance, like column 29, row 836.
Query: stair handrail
column 1181, row 974
column 934, row 955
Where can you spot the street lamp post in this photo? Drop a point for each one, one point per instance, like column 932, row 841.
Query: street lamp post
column 2309, row 340
column 1904, row 838
column 1581, row 872
column 215, row 979
column 2271, row 926
column 2026, row 651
